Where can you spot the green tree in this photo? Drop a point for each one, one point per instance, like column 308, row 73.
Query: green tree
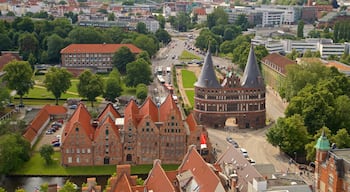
column 111, row 17
column 113, row 86
column 141, row 91
column 6, row 43
column 28, row 43
column 308, row 53
column 57, row 81
column 44, row 187
column 18, row 77
column 342, row 139
column 242, row 22
column 161, row 21
column 54, row 45
column 141, row 28
column 14, row 152
column 32, row 60
column 181, row 22
column 46, row 151
column 122, row 57
column 138, row 72
column 144, row 55
column 25, row 25
column 289, row 134
column 163, row 36
column 69, row 187
column 90, row 86
column 300, row 30
column 147, row 43
column 293, row 55
column 85, row 35
column 218, row 17
column 342, row 111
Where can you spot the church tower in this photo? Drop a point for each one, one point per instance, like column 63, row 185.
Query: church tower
column 322, row 147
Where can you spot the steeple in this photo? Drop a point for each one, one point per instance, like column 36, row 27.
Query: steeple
column 207, row 78
column 252, row 77
column 322, row 143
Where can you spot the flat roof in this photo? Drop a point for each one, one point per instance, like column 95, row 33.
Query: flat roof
column 343, row 153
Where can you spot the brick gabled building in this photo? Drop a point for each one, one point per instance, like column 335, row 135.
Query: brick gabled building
column 240, row 99
column 97, row 57
column 145, row 133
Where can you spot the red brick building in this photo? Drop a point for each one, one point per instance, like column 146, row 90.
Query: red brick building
column 240, row 99
column 145, row 133
column 97, row 57
column 331, row 167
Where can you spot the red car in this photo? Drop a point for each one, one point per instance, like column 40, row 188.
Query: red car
column 55, row 141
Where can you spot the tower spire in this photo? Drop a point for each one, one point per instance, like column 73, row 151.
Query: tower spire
column 252, row 77
column 207, row 78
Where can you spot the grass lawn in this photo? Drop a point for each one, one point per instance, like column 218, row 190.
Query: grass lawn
column 186, row 55
column 36, row 166
column 188, row 78
column 190, row 96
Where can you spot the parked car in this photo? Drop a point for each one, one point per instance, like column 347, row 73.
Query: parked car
column 73, row 106
column 55, row 127
column 229, row 139
column 49, row 132
column 57, row 144
column 244, row 153
column 56, row 124
column 55, row 141
column 52, row 129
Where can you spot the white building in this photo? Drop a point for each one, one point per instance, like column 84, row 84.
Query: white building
column 332, row 49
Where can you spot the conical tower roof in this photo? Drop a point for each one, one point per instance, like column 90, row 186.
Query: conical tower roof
column 322, row 143
column 252, row 77
column 207, row 78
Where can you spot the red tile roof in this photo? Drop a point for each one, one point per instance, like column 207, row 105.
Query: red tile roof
column 167, row 107
column 55, row 109
column 205, row 177
column 157, row 179
column 81, row 116
column 200, row 11
column 191, row 122
column 109, row 110
column 123, row 184
column 149, row 108
column 340, row 66
column 8, row 57
column 29, row 134
column 278, row 60
column 98, row 48
column 130, row 112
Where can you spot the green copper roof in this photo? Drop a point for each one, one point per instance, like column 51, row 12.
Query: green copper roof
column 322, row 143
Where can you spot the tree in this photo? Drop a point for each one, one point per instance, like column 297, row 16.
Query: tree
column 218, row 17
column 138, row 72
column 44, row 187
column 300, row 30
column 141, row 91
column 113, row 86
column 15, row 150
column 6, row 43
column 342, row 139
column 57, row 81
column 122, row 57
column 342, row 111
column 242, row 22
column 111, row 17
column 32, row 60
column 289, row 134
column 141, row 28
column 147, row 43
column 28, row 43
column 69, row 187
column 163, row 36
column 161, row 21
column 144, row 55
column 54, row 45
column 90, row 86
column 25, row 25
column 85, row 35
column 18, row 77
column 45, row 152
column 293, row 55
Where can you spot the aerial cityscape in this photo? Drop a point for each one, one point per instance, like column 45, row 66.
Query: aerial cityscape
column 175, row 96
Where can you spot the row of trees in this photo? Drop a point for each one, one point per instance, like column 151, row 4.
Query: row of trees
column 319, row 98
column 41, row 41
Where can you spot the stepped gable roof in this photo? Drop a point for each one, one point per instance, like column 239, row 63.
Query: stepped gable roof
column 252, row 77
column 157, row 179
column 106, row 122
column 81, row 116
column 109, row 110
column 204, row 176
column 123, row 184
column 207, row 78
column 98, row 48
column 166, row 107
column 191, row 122
column 149, row 108
column 131, row 111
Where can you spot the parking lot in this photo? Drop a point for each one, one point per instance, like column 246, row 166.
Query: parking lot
column 48, row 138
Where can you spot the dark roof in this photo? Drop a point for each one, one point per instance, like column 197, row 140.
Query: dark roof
column 207, row 78
column 252, row 77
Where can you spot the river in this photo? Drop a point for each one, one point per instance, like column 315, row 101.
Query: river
column 30, row 184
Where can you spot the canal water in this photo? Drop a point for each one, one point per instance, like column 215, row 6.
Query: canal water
column 30, row 184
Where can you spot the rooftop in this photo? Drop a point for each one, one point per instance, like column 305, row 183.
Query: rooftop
column 342, row 153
